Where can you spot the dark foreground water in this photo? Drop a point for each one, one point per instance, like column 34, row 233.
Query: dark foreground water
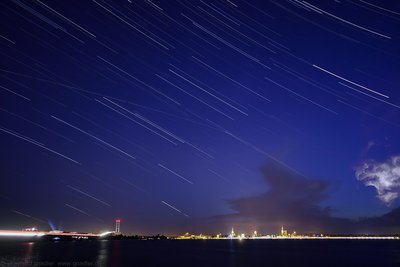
column 202, row 253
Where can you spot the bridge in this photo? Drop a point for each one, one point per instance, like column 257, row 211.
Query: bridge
column 33, row 233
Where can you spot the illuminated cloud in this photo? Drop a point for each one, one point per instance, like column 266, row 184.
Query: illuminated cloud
column 384, row 176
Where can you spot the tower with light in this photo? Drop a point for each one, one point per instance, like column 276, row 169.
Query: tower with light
column 117, row 226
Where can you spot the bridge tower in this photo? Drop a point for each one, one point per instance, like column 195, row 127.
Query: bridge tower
column 117, row 226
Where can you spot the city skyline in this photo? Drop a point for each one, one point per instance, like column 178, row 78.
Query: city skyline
column 200, row 116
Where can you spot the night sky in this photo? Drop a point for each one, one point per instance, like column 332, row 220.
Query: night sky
column 200, row 116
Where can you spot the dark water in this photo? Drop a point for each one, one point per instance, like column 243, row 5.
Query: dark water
column 202, row 253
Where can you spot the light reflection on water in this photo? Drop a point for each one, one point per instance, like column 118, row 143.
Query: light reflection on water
column 19, row 255
column 116, row 253
column 28, row 259
column 201, row 253
column 231, row 253
column 102, row 255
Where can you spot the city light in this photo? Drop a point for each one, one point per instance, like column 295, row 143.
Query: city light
column 105, row 233
column 283, row 234
column 11, row 233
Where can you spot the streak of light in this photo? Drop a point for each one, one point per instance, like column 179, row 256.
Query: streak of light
column 284, row 123
column 315, row 24
column 141, row 82
column 275, row 43
column 135, row 186
column 88, row 195
column 32, row 141
column 79, row 210
column 29, row 216
column 24, row 137
column 207, row 92
column 260, row 10
column 105, row 233
column 11, row 233
column 129, row 118
column 240, row 51
column 198, row 99
column 24, row 97
column 303, row 97
column 160, row 128
column 233, row 4
column 348, row 22
column 216, row 92
column 257, row 149
column 378, row 7
column 45, row 19
column 223, row 41
column 36, row 92
column 308, row 7
column 237, row 138
column 154, row 125
column 66, row 19
column 40, row 16
column 186, row 28
column 98, row 139
column 178, row 175
column 130, row 25
column 368, row 113
column 37, row 125
column 238, row 32
column 232, row 80
column 148, row 121
column 164, row 32
column 226, row 16
column 226, row 25
column 360, row 98
column 172, row 207
column 16, row 73
column 128, row 18
column 200, row 150
column 359, row 85
column 381, row 100
column 113, row 133
column 31, row 22
column 5, row 38
column 161, row 111
column 276, row 160
column 219, row 175
column 305, row 78
column 153, row 5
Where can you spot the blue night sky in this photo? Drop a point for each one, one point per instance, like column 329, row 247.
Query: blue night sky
column 200, row 116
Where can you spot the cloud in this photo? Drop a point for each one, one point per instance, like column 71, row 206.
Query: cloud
column 295, row 201
column 292, row 200
column 384, row 176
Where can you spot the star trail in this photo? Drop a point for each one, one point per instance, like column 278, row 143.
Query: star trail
column 201, row 116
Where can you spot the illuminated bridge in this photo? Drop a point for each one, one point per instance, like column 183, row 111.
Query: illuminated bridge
column 33, row 233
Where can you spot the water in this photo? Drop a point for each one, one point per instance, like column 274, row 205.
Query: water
column 272, row 253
